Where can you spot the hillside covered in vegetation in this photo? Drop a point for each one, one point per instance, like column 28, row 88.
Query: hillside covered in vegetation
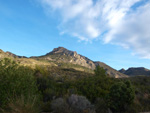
column 62, row 57
column 65, row 90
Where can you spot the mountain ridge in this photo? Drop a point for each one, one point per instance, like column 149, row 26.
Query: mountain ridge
column 60, row 56
column 63, row 55
column 136, row 71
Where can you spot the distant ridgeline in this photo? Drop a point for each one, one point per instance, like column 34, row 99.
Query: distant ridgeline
column 139, row 71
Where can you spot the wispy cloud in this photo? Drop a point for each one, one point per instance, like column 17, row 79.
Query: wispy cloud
column 113, row 21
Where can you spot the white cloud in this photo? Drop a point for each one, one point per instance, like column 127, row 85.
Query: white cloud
column 122, row 25
column 133, row 31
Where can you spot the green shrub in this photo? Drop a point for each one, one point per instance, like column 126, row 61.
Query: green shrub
column 99, row 71
column 121, row 96
column 15, row 81
column 94, row 87
column 101, row 106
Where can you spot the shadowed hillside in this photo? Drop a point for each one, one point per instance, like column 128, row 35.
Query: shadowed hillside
column 136, row 71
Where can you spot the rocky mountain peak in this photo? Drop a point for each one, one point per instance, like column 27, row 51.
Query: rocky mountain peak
column 62, row 51
column 122, row 70
column 59, row 49
column 63, row 55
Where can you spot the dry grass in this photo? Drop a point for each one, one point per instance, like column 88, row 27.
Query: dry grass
column 22, row 105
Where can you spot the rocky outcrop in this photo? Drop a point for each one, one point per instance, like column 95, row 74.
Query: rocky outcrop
column 136, row 71
column 62, row 51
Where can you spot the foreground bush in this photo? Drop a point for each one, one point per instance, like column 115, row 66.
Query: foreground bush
column 15, row 81
column 121, row 96
column 73, row 104
column 101, row 106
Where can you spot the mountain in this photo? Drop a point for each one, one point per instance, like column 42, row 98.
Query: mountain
column 136, row 71
column 62, row 55
column 122, row 70
column 9, row 54
column 5, row 54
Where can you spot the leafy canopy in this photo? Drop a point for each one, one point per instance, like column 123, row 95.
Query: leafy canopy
column 121, row 96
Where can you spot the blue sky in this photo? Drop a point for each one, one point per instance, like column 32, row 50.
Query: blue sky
column 116, row 32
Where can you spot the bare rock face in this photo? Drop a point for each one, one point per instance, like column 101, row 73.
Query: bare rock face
column 61, row 54
column 136, row 71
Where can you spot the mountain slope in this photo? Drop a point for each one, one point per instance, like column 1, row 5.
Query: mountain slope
column 23, row 60
column 136, row 71
column 64, row 58
column 62, row 55
column 13, row 55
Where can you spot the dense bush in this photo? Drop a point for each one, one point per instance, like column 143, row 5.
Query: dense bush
column 101, row 105
column 121, row 96
column 51, row 89
column 91, row 87
column 60, row 87
column 94, row 87
column 15, row 81
column 99, row 71
column 142, row 90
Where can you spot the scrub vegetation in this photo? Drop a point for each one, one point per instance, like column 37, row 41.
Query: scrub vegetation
column 64, row 90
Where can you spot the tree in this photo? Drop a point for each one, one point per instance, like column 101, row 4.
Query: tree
column 121, row 96
column 99, row 71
